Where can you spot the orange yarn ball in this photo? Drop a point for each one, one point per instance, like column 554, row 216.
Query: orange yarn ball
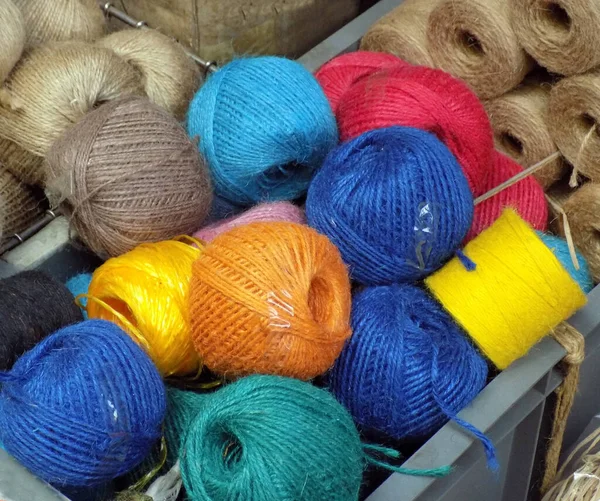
column 270, row 298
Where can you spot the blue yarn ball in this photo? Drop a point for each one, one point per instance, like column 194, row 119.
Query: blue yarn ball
column 79, row 284
column 83, row 407
column 560, row 248
column 264, row 126
column 396, row 203
column 407, row 368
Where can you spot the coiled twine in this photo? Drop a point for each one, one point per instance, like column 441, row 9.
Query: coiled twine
column 170, row 77
column 26, row 166
column 94, row 399
column 146, row 293
column 270, row 298
column 12, row 38
column 264, row 126
column 19, row 205
column 394, row 201
column 516, row 294
column 266, row 437
column 128, row 174
column 427, row 99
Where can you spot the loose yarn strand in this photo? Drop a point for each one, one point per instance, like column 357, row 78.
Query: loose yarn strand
column 573, row 180
column 442, row 471
column 567, row 230
column 148, row 477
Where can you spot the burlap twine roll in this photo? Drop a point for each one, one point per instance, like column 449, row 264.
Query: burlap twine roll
column 473, row 40
column 573, row 114
column 562, row 35
column 403, row 32
column 519, row 122
column 26, row 166
column 12, row 38
column 56, row 20
column 169, row 76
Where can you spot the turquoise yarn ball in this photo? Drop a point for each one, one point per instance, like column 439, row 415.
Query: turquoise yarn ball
column 265, row 438
column 264, row 126
column 79, row 284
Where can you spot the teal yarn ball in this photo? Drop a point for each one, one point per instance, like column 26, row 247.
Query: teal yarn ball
column 79, row 284
column 264, row 126
column 266, row 438
column 560, row 249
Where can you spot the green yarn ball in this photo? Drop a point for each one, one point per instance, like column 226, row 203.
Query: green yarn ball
column 265, row 438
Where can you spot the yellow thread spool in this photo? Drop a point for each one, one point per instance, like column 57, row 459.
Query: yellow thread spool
column 517, row 294
column 145, row 292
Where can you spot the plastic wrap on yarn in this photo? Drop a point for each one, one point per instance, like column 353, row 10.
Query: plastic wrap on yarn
column 95, row 400
column 266, row 437
column 128, row 174
column 339, row 74
column 560, row 248
column 262, row 213
column 427, row 99
column 12, row 38
column 169, row 75
column 146, row 293
column 264, row 126
column 79, row 284
column 394, row 201
column 514, row 295
column 65, row 20
column 270, row 298
column 474, row 41
column 33, row 306
column 408, row 368
column 526, row 197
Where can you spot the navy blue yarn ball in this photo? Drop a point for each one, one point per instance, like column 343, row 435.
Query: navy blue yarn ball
column 408, row 368
column 395, row 202
column 83, row 407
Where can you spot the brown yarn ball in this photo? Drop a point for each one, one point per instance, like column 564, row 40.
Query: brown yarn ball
column 562, row 35
column 55, row 85
column 474, row 41
column 520, row 131
column 403, row 32
column 57, row 20
column 12, row 37
column 583, row 212
column 169, row 75
column 128, row 174
column 26, row 166
column 573, row 115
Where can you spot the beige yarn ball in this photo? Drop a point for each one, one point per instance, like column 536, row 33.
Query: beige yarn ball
column 26, row 166
column 12, row 37
column 170, row 77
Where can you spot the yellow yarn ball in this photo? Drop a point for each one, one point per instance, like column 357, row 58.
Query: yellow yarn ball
column 516, row 295
column 145, row 291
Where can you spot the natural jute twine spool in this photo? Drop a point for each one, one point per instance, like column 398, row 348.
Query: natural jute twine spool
column 473, row 40
column 562, row 35
column 12, row 38
column 520, row 131
column 26, row 166
column 403, row 32
column 169, row 75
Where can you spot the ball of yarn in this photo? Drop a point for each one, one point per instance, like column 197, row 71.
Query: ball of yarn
column 94, row 399
column 262, row 213
column 26, row 166
column 12, row 38
column 339, row 74
column 408, row 368
column 427, row 99
column 266, row 437
column 264, row 126
column 33, row 306
column 129, row 174
column 560, row 248
column 513, row 294
column 394, row 201
column 80, row 284
column 47, row 21
column 146, row 293
column 526, row 197
column 270, row 298
column 169, row 75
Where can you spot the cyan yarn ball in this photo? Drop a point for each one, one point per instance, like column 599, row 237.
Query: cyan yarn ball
column 394, row 201
column 79, row 284
column 267, row 438
column 264, row 126
column 560, row 249
column 408, row 368
column 83, row 407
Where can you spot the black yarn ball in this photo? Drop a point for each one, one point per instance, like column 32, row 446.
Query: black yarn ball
column 32, row 306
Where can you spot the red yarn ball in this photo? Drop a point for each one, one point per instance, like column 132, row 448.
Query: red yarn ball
column 424, row 98
column 339, row 74
column 526, row 197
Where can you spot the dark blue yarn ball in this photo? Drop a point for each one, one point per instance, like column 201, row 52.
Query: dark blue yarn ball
column 83, row 407
column 396, row 203
column 407, row 368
